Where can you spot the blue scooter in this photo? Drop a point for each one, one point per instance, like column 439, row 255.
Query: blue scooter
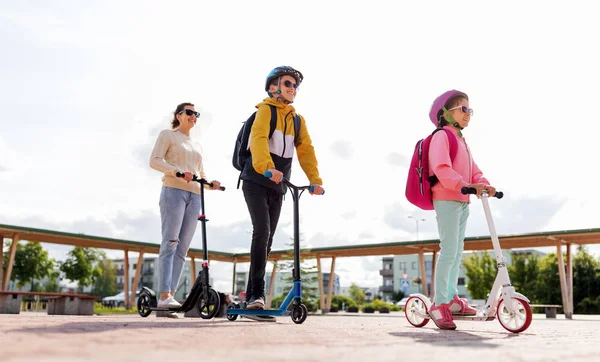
column 299, row 312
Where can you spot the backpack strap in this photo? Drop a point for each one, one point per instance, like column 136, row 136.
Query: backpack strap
column 296, row 129
column 453, row 142
column 273, row 120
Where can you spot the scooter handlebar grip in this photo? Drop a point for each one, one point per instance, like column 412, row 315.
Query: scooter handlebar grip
column 311, row 188
column 267, row 174
column 468, row 190
column 499, row 194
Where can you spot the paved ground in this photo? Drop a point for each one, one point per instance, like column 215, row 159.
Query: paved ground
column 32, row 336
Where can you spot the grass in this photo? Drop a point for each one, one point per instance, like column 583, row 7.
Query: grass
column 99, row 309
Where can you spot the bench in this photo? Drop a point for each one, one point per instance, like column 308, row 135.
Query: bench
column 550, row 309
column 58, row 303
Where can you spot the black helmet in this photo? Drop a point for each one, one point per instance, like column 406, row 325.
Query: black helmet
column 283, row 70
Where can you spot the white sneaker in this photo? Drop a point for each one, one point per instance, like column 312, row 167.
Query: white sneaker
column 170, row 302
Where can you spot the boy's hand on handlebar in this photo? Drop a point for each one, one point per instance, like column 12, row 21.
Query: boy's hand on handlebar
column 215, row 185
column 317, row 190
column 491, row 190
column 478, row 187
column 276, row 176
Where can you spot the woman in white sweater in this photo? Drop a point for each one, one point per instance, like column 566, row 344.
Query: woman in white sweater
column 175, row 151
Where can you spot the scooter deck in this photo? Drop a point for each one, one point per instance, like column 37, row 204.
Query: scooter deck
column 265, row 312
column 478, row 317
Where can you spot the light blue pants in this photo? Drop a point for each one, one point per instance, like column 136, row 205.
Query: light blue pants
column 452, row 222
column 179, row 218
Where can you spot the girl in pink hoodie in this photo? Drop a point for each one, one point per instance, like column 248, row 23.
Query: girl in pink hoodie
column 451, row 111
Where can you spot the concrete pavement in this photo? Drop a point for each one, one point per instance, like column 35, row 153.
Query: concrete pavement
column 32, row 336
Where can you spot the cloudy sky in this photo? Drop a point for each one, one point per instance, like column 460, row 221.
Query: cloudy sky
column 87, row 86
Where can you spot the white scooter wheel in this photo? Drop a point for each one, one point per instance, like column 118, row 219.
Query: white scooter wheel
column 416, row 312
column 517, row 321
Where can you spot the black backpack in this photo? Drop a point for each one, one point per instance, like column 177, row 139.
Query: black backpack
column 241, row 153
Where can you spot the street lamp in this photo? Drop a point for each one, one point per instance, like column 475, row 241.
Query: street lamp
column 417, row 221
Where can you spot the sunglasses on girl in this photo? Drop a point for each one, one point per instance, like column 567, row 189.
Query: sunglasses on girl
column 289, row 84
column 464, row 109
column 189, row 112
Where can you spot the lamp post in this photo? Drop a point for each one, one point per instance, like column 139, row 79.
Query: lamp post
column 418, row 269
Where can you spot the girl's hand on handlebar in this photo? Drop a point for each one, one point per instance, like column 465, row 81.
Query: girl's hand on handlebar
column 215, row 185
column 491, row 190
column 317, row 190
column 478, row 187
column 276, row 176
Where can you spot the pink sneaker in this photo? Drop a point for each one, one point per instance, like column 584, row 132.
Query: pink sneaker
column 441, row 316
column 460, row 306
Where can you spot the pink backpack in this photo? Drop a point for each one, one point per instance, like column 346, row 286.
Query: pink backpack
column 419, row 182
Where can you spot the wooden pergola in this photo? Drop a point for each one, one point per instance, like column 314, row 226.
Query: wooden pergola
column 558, row 239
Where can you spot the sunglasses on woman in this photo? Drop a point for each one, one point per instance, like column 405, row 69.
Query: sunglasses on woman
column 464, row 109
column 289, row 84
column 189, row 112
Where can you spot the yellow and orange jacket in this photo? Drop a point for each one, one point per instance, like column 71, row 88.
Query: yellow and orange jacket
column 278, row 151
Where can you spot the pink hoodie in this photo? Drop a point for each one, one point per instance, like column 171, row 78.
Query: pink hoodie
column 452, row 176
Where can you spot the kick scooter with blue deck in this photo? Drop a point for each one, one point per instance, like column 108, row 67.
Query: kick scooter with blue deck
column 202, row 296
column 299, row 311
column 511, row 308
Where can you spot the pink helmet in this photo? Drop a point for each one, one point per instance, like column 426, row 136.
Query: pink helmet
column 440, row 102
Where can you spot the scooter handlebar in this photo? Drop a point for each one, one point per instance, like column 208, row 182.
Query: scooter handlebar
column 200, row 180
column 310, row 188
column 471, row 190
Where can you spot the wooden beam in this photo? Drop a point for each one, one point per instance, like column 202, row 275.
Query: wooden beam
column 233, row 283
column 423, row 273
column 433, row 262
column 321, row 292
column 136, row 278
column 193, row 269
column 271, row 286
column 330, row 286
column 570, row 280
column 11, row 260
column 1, row 262
column 563, row 280
column 126, row 279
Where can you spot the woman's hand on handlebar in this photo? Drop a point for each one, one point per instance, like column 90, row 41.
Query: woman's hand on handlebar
column 316, row 190
column 188, row 176
column 276, row 176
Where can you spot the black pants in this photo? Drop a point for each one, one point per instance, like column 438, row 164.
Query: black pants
column 264, row 206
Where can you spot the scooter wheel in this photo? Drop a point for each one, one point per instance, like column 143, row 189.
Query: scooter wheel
column 232, row 317
column 208, row 307
column 144, row 303
column 416, row 312
column 519, row 320
column 299, row 313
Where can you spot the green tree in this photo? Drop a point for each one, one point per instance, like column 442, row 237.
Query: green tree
column 397, row 296
column 82, row 266
column 357, row 294
column 31, row 263
column 481, row 272
column 523, row 273
column 548, row 291
column 586, row 282
column 53, row 283
column 106, row 282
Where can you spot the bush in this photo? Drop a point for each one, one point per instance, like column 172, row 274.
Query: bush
column 395, row 308
column 384, row 310
column 352, row 309
column 379, row 305
column 341, row 302
column 368, row 308
column 333, row 309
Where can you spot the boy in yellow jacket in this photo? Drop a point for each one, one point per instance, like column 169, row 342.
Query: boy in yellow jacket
column 263, row 195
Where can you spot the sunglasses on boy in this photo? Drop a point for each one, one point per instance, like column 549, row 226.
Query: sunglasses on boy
column 464, row 109
column 289, row 84
column 189, row 112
